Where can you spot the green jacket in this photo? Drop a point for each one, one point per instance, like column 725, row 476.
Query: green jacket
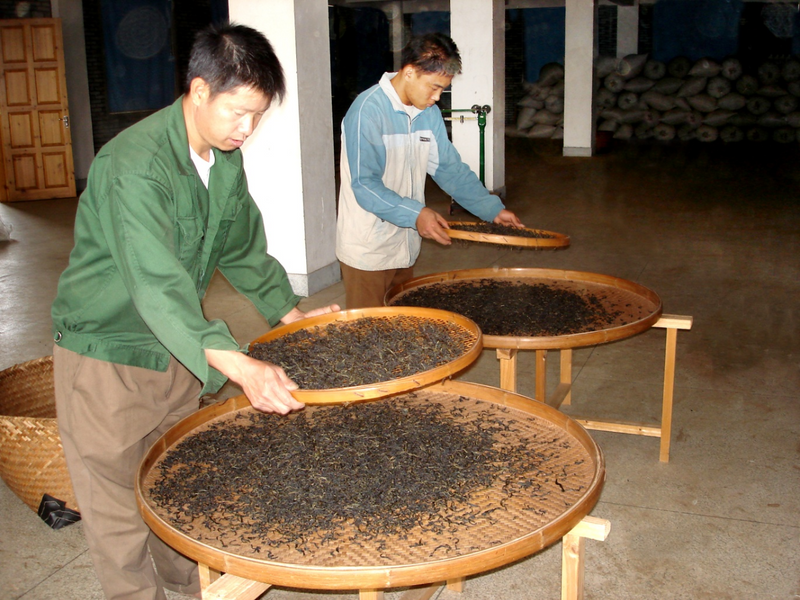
column 148, row 236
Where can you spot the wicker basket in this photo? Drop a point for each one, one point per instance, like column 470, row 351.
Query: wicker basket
column 31, row 457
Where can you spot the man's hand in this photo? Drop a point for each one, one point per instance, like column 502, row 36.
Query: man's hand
column 266, row 385
column 432, row 225
column 296, row 314
column 506, row 217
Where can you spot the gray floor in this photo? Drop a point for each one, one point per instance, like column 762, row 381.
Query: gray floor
column 714, row 230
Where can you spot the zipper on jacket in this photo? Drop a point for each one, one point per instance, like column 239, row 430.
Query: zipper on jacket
column 411, row 162
column 410, row 154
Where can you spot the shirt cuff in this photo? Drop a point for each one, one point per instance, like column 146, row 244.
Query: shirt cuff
column 214, row 382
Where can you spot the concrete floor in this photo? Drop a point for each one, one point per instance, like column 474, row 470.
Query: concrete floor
column 714, row 230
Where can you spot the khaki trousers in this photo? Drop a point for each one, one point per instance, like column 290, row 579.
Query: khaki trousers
column 366, row 289
column 108, row 417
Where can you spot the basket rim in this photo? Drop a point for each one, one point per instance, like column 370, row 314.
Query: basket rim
column 574, row 340
column 553, row 239
column 374, row 391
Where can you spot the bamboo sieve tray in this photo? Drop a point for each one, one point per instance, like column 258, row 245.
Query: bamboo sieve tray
column 639, row 307
column 504, row 530
column 550, row 239
column 410, row 317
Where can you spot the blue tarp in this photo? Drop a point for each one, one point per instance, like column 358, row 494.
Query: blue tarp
column 696, row 29
column 430, row 22
column 140, row 68
column 543, row 37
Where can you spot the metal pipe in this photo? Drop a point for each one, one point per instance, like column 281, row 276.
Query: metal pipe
column 481, row 112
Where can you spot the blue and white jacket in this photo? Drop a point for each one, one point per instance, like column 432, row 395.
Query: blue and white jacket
column 386, row 154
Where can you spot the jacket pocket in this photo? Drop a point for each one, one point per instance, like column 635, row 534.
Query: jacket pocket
column 190, row 238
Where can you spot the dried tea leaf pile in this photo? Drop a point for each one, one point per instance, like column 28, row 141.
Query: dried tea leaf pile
column 504, row 230
column 365, row 351
column 323, row 478
column 506, row 308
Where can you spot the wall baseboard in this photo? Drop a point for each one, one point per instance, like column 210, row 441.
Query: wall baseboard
column 311, row 283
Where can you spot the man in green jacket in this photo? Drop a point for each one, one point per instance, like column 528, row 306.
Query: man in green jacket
column 166, row 204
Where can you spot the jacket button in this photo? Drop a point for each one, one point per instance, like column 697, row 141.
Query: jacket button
column 57, row 337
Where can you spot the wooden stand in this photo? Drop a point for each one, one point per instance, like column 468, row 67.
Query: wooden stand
column 573, row 546
column 562, row 394
column 218, row 586
column 498, row 541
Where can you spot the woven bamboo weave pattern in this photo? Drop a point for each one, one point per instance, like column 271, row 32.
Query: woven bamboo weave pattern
column 31, row 457
column 499, row 514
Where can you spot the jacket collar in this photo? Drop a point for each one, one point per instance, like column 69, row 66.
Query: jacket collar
column 394, row 98
column 179, row 140
column 388, row 88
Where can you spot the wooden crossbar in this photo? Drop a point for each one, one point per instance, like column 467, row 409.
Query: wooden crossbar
column 230, row 587
column 562, row 395
column 674, row 322
column 650, row 430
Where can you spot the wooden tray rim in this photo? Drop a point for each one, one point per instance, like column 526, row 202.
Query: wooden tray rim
column 373, row 391
column 557, row 240
column 574, row 340
column 383, row 577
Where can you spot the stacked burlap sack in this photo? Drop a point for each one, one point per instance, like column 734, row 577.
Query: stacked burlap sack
column 702, row 100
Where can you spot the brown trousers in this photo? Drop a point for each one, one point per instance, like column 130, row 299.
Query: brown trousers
column 366, row 289
column 108, row 417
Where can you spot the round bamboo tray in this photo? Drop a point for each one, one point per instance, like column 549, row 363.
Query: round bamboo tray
column 32, row 460
column 639, row 307
column 410, row 316
column 506, row 527
column 552, row 240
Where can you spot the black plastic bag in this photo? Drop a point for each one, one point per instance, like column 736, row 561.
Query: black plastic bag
column 55, row 513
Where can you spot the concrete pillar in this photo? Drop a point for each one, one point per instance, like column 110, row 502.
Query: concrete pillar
column 628, row 29
column 80, row 113
column 289, row 160
column 478, row 28
column 579, row 52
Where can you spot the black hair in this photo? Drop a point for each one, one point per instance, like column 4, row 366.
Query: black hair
column 433, row 53
column 230, row 55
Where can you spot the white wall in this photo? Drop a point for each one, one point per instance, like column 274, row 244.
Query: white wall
column 579, row 54
column 71, row 14
column 289, row 160
column 478, row 29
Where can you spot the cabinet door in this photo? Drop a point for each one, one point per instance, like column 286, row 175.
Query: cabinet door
column 37, row 147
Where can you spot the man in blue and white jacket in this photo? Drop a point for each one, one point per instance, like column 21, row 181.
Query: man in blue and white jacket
column 392, row 137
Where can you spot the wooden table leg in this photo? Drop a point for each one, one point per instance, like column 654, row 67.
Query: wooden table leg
column 456, row 585
column 423, row 593
column 370, row 595
column 565, row 375
column 229, row 587
column 207, row 575
column 573, row 549
column 541, row 375
column 508, row 368
column 563, row 392
column 669, row 389
column 572, row 567
column 671, row 323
